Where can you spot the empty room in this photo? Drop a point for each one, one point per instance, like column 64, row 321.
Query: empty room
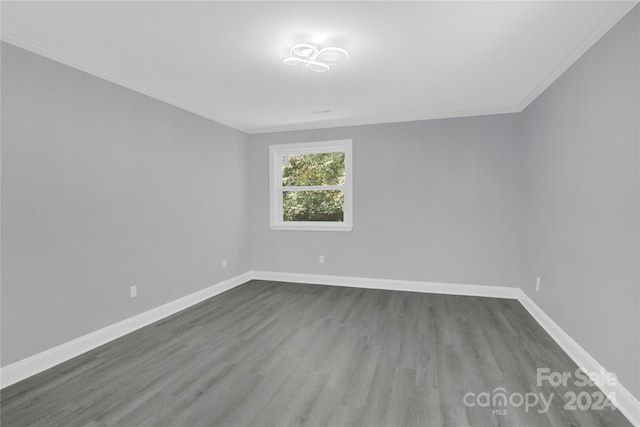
column 305, row 213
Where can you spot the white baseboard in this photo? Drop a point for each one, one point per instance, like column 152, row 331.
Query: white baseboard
column 391, row 285
column 624, row 400
column 18, row 371
column 40, row 362
column 37, row 363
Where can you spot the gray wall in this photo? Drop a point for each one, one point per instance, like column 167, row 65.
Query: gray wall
column 581, row 197
column 434, row 200
column 103, row 188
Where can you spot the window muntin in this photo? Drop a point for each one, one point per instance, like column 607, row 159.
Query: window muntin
column 311, row 186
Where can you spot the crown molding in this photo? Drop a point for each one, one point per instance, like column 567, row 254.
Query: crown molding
column 607, row 23
column 57, row 55
column 376, row 120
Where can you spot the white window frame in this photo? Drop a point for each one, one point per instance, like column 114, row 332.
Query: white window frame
column 276, row 152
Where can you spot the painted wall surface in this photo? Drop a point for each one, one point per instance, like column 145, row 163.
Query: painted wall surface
column 103, row 188
column 433, row 201
column 581, row 201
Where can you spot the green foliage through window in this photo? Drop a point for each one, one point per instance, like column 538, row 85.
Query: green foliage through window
column 315, row 169
column 322, row 205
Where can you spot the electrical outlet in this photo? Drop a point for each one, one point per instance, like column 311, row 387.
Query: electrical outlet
column 134, row 291
column 537, row 284
column 224, row 263
column 321, row 259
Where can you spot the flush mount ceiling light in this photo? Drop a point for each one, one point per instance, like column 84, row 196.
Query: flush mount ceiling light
column 314, row 58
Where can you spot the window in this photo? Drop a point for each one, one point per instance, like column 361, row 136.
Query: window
column 311, row 186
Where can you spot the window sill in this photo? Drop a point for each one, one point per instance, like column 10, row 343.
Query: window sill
column 311, row 227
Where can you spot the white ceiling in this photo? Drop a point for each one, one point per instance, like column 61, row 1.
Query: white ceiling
column 409, row 60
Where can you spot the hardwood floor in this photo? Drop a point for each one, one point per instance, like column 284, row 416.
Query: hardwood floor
column 282, row 354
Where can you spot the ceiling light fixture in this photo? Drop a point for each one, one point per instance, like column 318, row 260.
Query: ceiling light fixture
column 314, row 58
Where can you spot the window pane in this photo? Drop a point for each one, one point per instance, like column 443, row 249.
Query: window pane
column 321, row 205
column 313, row 169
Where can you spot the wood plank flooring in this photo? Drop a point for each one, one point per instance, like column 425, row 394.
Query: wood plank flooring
column 282, row 354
